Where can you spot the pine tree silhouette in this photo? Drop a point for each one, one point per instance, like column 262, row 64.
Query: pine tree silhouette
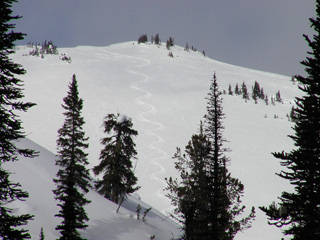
column 73, row 178
column 116, row 159
column 11, row 130
column 226, row 191
column 207, row 199
column 298, row 210
column 41, row 236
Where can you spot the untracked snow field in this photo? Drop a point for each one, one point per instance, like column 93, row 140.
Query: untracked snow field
column 165, row 97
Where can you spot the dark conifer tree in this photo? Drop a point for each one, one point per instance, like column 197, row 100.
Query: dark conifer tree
column 230, row 92
column 189, row 194
column 171, row 41
column 266, row 100
column 143, row 38
column 262, row 95
column 157, row 39
column 256, row 91
column 73, row 178
column 186, row 48
column 236, row 90
column 226, row 191
column 41, row 236
column 244, row 90
column 278, row 97
column 207, row 199
column 116, row 157
column 11, row 130
column 298, row 211
column 168, row 45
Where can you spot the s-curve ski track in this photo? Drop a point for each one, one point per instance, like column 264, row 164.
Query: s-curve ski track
column 150, row 153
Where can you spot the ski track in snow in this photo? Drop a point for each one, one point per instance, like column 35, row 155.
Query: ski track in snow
column 148, row 109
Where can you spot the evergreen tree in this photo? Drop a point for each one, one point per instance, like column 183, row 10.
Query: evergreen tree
column 189, row 194
column 41, row 236
column 236, row 90
column 226, row 191
column 256, row 91
column 157, row 39
column 73, row 178
column 168, row 45
column 11, row 130
column 207, row 199
column 298, row 210
column 244, row 90
column 171, row 41
column 262, row 95
column 278, row 97
column 230, row 90
column 116, row 159
column 143, row 38
column 266, row 100
column 186, row 48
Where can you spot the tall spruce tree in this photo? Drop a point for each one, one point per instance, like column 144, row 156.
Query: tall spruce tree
column 207, row 199
column 298, row 211
column 116, row 157
column 73, row 178
column 225, row 191
column 11, row 130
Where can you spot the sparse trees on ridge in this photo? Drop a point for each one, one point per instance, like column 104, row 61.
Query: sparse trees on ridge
column 11, row 130
column 298, row 211
column 116, row 157
column 73, row 178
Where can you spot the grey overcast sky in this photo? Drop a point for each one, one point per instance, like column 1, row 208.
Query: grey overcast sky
column 259, row 34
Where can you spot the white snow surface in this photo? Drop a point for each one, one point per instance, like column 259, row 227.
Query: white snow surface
column 165, row 98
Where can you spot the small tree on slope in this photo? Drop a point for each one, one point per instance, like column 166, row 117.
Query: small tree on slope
column 299, row 211
column 116, row 159
column 11, row 130
column 73, row 179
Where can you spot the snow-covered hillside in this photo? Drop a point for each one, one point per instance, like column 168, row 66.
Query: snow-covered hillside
column 165, row 97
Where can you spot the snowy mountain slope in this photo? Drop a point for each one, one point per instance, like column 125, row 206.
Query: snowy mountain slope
column 165, row 97
column 36, row 177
